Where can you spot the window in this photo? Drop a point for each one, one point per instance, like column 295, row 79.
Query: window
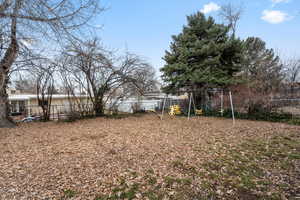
column 22, row 107
column 14, row 107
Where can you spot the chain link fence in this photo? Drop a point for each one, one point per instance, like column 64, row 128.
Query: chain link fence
column 275, row 108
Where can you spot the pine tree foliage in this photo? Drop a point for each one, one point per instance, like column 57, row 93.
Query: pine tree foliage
column 262, row 68
column 203, row 55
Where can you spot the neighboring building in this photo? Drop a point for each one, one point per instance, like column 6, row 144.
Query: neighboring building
column 12, row 91
column 149, row 101
column 131, row 104
column 158, row 95
column 27, row 104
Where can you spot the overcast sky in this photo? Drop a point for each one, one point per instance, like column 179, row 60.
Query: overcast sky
column 145, row 26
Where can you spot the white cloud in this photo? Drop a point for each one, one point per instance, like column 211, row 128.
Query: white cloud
column 275, row 16
column 98, row 26
column 210, row 7
column 280, row 1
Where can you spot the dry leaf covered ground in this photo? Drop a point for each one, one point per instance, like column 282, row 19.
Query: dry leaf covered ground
column 146, row 158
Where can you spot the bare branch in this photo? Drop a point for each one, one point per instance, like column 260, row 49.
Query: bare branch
column 231, row 14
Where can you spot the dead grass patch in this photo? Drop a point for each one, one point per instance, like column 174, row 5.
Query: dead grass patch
column 146, row 158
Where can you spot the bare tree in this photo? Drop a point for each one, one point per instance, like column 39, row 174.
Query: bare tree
column 292, row 67
column 36, row 20
column 45, row 89
column 231, row 14
column 145, row 79
column 102, row 74
column 72, row 86
column 25, row 85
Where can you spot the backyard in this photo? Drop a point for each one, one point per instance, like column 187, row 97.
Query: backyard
column 143, row 157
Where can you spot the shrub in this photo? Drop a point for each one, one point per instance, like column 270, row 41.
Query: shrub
column 259, row 114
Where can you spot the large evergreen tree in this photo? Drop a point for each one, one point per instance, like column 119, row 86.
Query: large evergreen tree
column 262, row 68
column 203, row 55
column 262, row 73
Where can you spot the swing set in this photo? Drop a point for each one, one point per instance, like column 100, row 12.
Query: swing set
column 175, row 108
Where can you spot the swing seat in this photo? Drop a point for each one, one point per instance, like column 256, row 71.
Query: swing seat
column 174, row 110
column 199, row 112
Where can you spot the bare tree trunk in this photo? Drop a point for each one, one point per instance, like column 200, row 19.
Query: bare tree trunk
column 292, row 90
column 5, row 120
column 99, row 107
column 5, row 66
